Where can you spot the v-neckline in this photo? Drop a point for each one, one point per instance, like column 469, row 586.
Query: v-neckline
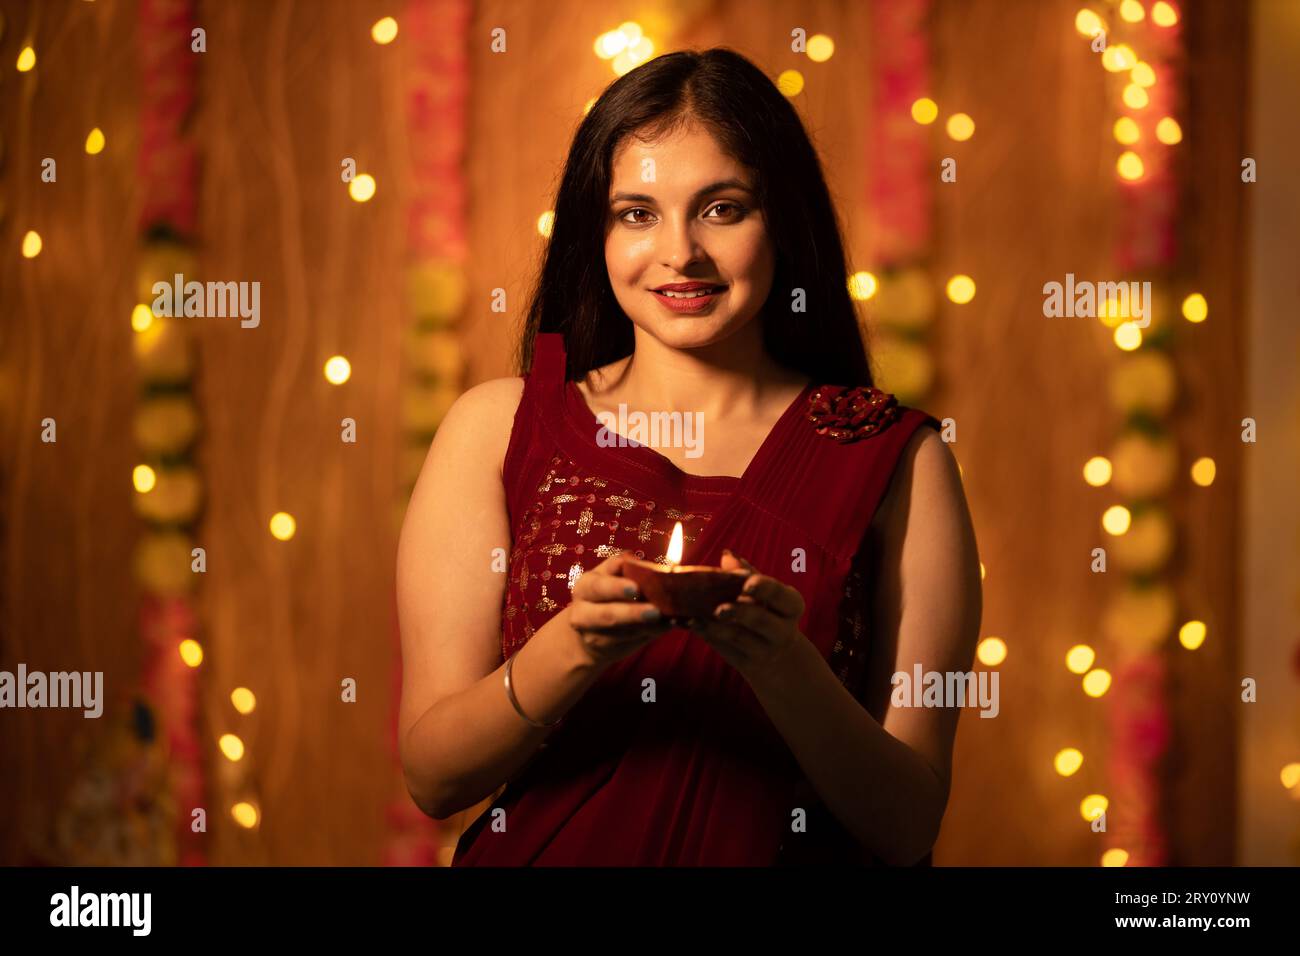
column 584, row 421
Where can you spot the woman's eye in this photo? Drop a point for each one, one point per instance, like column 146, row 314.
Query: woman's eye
column 632, row 212
column 733, row 210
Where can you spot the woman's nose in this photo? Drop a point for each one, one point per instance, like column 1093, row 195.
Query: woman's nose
column 680, row 245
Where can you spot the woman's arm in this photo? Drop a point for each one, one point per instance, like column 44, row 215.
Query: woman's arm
column 888, row 782
column 460, row 738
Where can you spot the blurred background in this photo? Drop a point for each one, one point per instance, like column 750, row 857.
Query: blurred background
column 381, row 166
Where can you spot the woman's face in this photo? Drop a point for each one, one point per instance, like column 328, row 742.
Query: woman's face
column 682, row 211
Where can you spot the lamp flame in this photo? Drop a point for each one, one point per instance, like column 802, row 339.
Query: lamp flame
column 674, row 552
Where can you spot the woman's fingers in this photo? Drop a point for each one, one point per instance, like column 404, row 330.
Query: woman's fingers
column 775, row 596
column 594, row 586
column 591, row 615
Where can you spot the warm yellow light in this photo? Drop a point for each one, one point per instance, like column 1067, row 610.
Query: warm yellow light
column 1096, row 471
column 1129, row 165
column 191, row 652
column 1131, row 11
column 1163, row 14
column 611, row 44
column 1168, row 131
column 1142, row 74
column 546, row 222
column 960, row 127
column 790, row 83
column 1135, row 97
column 283, row 526
column 1079, row 658
column 338, row 370
column 141, row 317
column 1112, row 311
column 144, row 478
column 362, row 188
column 1126, row 131
column 991, row 651
column 1116, row 520
column 961, row 289
column 1195, row 308
column 95, row 141
column 632, row 31
column 1096, row 683
column 1192, row 634
column 32, row 244
column 1203, row 471
column 1068, row 761
column 1114, row 857
column 636, row 54
column 243, row 700
column 245, row 815
column 1291, row 776
column 1128, row 336
column 925, row 111
column 675, row 545
column 1088, row 23
column 1092, row 805
column 590, row 103
column 981, row 570
column 1119, row 58
column 232, row 747
column 384, row 31
column 820, row 48
column 26, row 59
column 862, row 286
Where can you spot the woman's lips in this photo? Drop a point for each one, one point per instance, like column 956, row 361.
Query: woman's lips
column 693, row 303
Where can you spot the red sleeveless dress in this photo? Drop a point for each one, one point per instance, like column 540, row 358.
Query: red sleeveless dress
column 700, row 775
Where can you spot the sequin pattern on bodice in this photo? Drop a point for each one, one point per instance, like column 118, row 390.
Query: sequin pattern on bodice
column 577, row 521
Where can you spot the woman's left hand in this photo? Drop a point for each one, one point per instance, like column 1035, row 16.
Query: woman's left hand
column 760, row 628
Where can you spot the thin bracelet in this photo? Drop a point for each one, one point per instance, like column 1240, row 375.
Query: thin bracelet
column 510, row 692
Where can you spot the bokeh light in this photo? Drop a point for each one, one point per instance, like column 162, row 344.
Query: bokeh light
column 925, row 111
column 1068, row 761
column 1097, row 471
column 1192, row 634
column 961, row 289
column 283, row 526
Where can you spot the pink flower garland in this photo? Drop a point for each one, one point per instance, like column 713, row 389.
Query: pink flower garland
column 901, row 180
column 1141, row 726
column 436, row 39
column 167, row 166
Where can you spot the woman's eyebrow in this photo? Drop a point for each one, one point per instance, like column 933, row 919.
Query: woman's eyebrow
column 710, row 188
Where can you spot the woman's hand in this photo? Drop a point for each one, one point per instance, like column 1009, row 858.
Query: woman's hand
column 608, row 620
column 754, row 634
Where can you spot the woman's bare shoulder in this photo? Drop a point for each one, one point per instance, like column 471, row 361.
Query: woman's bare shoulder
column 484, row 415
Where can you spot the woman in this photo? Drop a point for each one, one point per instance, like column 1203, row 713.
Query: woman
column 764, row 735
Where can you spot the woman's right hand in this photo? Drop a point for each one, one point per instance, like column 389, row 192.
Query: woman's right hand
column 606, row 617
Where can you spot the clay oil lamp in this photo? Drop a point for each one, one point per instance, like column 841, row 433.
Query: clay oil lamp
column 683, row 591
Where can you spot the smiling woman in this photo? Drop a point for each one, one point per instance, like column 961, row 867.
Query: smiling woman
column 763, row 735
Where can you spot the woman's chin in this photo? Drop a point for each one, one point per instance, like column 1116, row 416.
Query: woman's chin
column 693, row 331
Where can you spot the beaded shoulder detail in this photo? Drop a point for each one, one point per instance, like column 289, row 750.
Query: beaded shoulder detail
column 851, row 414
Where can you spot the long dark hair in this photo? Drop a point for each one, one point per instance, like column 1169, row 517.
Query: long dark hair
column 755, row 124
